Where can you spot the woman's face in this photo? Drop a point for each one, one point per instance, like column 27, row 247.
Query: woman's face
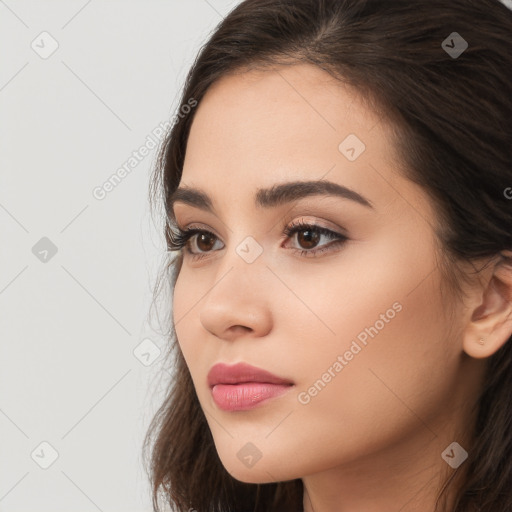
column 358, row 325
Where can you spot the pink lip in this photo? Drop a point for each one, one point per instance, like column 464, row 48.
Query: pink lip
column 242, row 386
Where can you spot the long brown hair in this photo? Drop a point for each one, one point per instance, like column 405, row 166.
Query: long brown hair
column 452, row 117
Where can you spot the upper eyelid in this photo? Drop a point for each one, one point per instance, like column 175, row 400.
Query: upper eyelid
column 303, row 219
column 189, row 233
column 291, row 226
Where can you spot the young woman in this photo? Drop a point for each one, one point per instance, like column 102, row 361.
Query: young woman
column 338, row 201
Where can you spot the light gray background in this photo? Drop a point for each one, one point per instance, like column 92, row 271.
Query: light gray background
column 69, row 326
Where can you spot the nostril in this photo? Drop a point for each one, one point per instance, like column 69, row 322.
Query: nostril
column 239, row 329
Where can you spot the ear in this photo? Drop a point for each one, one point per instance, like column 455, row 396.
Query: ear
column 490, row 326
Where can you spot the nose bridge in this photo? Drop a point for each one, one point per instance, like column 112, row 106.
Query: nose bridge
column 250, row 251
column 243, row 263
column 238, row 296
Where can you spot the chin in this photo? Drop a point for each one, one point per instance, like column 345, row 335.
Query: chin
column 249, row 477
column 259, row 473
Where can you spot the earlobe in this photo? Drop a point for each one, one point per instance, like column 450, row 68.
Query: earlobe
column 480, row 348
column 490, row 326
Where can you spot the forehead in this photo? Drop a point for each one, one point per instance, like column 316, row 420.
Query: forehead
column 262, row 127
column 279, row 108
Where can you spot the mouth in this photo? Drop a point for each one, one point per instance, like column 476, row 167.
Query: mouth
column 246, row 395
column 242, row 387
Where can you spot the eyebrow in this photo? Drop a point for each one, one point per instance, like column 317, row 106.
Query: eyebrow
column 274, row 196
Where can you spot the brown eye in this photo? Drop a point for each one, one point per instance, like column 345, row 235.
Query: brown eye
column 200, row 243
column 205, row 241
column 307, row 238
column 197, row 242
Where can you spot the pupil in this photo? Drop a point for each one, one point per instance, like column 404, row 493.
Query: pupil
column 311, row 238
column 201, row 239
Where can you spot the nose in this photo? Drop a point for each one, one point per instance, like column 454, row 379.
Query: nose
column 238, row 302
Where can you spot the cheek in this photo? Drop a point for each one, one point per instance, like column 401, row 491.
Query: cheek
column 391, row 322
column 184, row 297
column 396, row 362
column 386, row 323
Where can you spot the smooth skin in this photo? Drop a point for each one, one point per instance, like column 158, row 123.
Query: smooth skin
column 371, row 440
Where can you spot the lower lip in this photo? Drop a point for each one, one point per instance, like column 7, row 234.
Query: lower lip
column 245, row 396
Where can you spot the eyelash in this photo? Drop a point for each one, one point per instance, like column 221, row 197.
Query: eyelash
column 181, row 239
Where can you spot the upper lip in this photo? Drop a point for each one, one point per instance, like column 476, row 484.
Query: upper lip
column 241, row 372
